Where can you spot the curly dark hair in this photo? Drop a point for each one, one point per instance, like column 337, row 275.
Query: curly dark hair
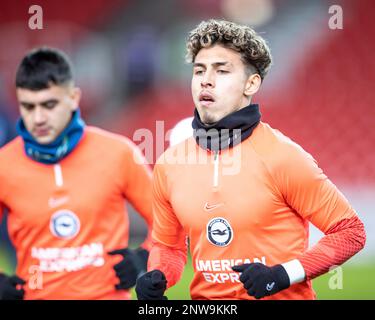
column 252, row 47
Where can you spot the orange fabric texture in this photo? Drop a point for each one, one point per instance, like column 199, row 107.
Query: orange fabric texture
column 252, row 205
column 171, row 260
column 64, row 218
column 342, row 241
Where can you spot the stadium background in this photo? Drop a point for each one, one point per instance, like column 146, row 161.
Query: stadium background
column 129, row 62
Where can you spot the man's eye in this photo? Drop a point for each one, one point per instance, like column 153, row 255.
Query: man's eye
column 50, row 105
column 198, row 72
column 222, row 71
column 28, row 107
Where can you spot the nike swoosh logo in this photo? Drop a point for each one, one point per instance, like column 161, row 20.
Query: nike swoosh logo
column 270, row 286
column 55, row 202
column 208, row 207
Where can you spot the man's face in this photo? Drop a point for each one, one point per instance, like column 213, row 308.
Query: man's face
column 47, row 112
column 220, row 84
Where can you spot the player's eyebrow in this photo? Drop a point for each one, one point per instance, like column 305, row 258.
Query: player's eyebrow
column 214, row 64
column 42, row 103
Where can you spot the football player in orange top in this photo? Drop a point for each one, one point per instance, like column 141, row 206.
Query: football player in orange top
column 65, row 185
column 241, row 191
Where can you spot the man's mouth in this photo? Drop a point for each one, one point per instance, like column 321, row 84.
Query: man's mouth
column 41, row 132
column 206, row 98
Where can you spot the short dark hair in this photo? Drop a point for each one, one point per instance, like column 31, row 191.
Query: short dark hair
column 44, row 67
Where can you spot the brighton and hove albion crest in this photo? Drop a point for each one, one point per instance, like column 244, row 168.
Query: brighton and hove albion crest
column 64, row 224
column 219, row 232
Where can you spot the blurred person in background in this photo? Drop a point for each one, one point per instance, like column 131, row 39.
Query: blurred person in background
column 247, row 224
column 6, row 129
column 65, row 185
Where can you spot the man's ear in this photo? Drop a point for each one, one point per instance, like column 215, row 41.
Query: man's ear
column 252, row 85
column 75, row 95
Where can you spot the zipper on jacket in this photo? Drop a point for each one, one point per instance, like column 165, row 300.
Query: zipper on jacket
column 58, row 175
column 216, row 170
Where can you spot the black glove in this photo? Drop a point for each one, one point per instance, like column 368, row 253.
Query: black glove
column 133, row 265
column 151, row 286
column 260, row 280
column 8, row 287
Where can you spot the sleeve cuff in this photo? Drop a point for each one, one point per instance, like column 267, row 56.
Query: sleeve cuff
column 295, row 271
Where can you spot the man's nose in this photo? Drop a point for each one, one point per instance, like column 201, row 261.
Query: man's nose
column 39, row 115
column 208, row 79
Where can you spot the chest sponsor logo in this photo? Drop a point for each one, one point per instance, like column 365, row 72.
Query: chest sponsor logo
column 64, row 224
column 220, row 271
column 219, row 232
column 69, row 259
